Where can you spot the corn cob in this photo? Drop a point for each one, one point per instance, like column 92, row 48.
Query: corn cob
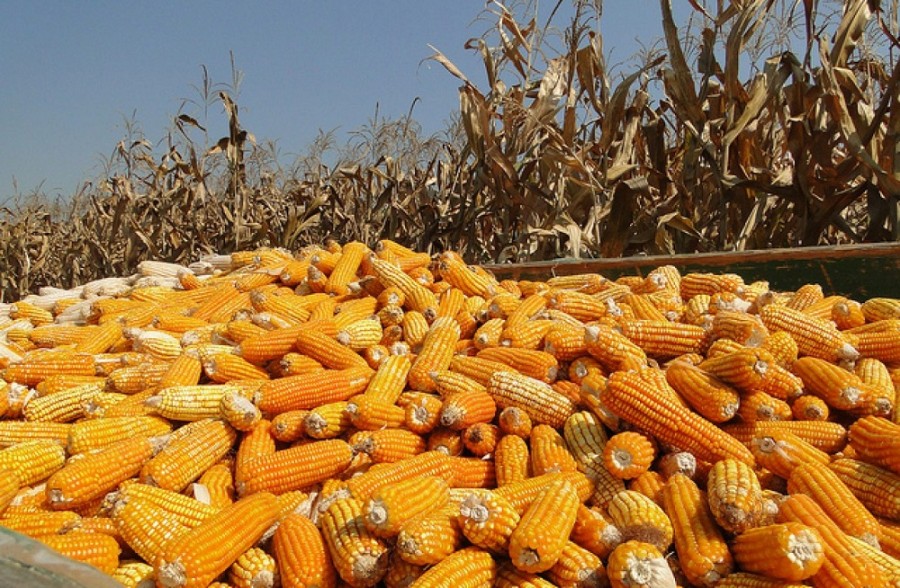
column 281, row 472
column 371, row 413
column 134, row 574
column 311, row 390
column 877, row 440
column 612, row 349
column 38, row 524
column 300, row 551
column 512, row 460
column 826, row 436
column 759, row 406
column 184, row 509
column 844, row 564
column 216, row 486
column 99, row 551
column 512, row 420
column 359, row 557
column 395, row 504
column 835, row 499
column 639, row 518
column 706, row 394
column 327, row 421
column 878, row 489
column 185, row 458
column 538, row 399
column 430, row 537
column 87, row 479
column 388, row 445
column 61, row 407
column 253, row 569
column 814, row 337
column 450, row 442
column 787, row 551
column 639, row 402
column 32, row 461
column 629, row 454
column 521, row 494
column 199, row 555
column 635, row 564
column 810, row 408
column 469, row 567
column 702, row 551
column 734, row 494
column 538, row 540
column 146, row 527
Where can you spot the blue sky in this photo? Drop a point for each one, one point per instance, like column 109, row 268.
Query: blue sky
column 73, row 72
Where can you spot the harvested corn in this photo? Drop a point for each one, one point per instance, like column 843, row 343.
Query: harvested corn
column 406, row 416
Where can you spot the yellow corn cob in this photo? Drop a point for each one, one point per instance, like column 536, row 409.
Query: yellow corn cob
column 430, row 537
column 628, row 454
column 466, row 568
column 877, row 309
column 55, row 384
column 436, row 353
column 878, row 489
column 512, row 461
column 401, row 574
column 361, row 559
column 826, row 436
column 14, row 432
column 371, row 413
column 745, row 580
column 759, row 406
column 134, row 574
column 787, row 551
column 429, row 463
column 225, row 367
column 883, row 345
column 639, row 518
column 296, row 364
column 702, row 551
column 61, row 407
column 185, row 510
column 889, row 565
column 595, row 532
column 695, row 283
column 487, row 520
column 218, row 486
column 393, row 505
column 388, row 445
column 300, row 551
column 662, row 339
column 746, row 369
column 239, row 411
column 710, row 397
column 522, row 493
column 810, row 408
column 734, row 494
column 640, row 403
column 450, row 442
column 844, row 564
column 512, row 420
column 327, row 421
column 327, row 350
column 37, row 524
column 288, row 426
column 538, row 399
column 32, row 461
column 877, row 440
column 577, row 566
column 836, row 500
column 281, row 471
column 198, row 556
column 253, row 569
column 137, row 378
column 464, row 409
column 814, row 337
column 529, row 362
column 890, row 537
column 100, row 551
column 839, row 388
column 481, row 439
column 9, row 487
column 635, row 564
column 780, row 451
column 549, row 452
column 510, row 577
column 527, row 334
column 782, row 347
column 612, row 349
column 184, row 459
column 540, row 537
column 417, row 297
column 56, row 335
column 87, row 479
column 311, row 390
column 146, row 527
column 189, row 403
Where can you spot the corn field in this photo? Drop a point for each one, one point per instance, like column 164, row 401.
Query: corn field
column 755, row 124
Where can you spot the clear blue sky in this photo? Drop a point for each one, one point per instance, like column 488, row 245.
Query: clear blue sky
column 72, row 72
